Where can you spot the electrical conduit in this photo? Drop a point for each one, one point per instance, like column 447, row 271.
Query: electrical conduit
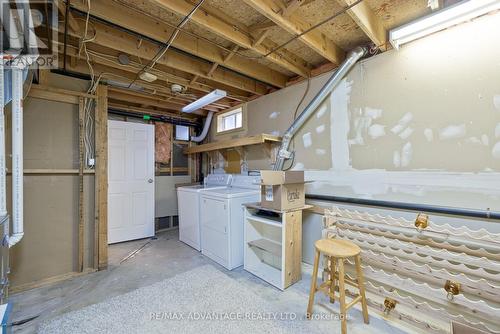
column 17, row 157
column 206, row 127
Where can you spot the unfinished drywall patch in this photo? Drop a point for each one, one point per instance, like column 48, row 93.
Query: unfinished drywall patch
column 402, row 123
column 340, row 125
column 406, row 154
column 485, row 140
column 452, row 132
column 406, row 133
column 307, row 140
column 496, row 151
column 274, row 115
column 320, row 151
column 376, row 131
column 429, row 134
column 396, row 159
column 320, row 129
column 496, row 102
column 321, row 111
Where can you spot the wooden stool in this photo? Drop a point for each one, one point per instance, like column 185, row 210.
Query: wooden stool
column 338, row 250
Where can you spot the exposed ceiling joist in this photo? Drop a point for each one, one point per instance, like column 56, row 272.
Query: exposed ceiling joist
column 368, row 21
column 158, row 30
column 72, row 23
column 235, row 33
column 293, row 23
column 124, row 42
column 105, row 62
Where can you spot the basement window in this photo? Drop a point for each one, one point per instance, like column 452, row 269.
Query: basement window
column 181, row 132
column 230, row 120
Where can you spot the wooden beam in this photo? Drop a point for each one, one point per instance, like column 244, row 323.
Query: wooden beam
column 101, row 176
column 72, row 23
column 240, row 36
column 295, row 25
column 124, row 42
column 137, row 98
column 158, row 30
column 368, row 21
column 52, row 96
column 110, row 69
column 238, row 142
column 81, row 204
column 262, row 36
column 149, row 111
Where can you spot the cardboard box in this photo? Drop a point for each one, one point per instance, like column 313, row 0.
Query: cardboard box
column 282, row 190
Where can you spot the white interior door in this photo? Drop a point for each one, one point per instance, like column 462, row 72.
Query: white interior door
column 131, row 186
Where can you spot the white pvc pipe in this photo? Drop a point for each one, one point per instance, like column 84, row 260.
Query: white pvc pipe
column 204, row 133
column 17, row 157
column 3, row 187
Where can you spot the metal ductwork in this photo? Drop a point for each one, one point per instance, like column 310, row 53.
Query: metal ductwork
column 206, row 127
column 340, row 73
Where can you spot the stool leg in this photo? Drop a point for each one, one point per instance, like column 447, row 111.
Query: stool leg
column 361, row 287
column 313, row 285
column 343, row 315
column 333, row 265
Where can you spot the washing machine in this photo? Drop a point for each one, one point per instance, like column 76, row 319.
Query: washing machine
column 222, row 220
column 188, row 199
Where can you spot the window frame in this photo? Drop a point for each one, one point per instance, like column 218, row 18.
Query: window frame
column 220, row 119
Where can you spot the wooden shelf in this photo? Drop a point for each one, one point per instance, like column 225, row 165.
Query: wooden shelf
column 238, row 142
column 267, row 246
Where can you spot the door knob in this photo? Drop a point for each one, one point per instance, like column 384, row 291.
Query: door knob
column 150, row 181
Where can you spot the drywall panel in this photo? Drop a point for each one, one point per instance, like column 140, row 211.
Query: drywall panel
column 419, row 124
column 166, row 194
column 50, row 244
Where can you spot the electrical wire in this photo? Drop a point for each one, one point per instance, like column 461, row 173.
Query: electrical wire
column 169, row 42
column 275, row 49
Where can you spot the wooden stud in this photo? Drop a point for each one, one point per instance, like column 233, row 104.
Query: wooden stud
column 205, row 17
column 125, row 42
column 101, row 176
column 81, row 204
column 368, row 21
column 225, row 144
column 294, row 24
column 158, row 30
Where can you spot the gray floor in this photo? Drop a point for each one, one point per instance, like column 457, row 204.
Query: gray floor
column 162, row 258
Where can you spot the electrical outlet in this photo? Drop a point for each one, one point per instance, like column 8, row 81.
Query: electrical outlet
column 91, row 162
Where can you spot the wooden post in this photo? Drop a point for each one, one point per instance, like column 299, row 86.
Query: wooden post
column 81, row 204
column 101, row 177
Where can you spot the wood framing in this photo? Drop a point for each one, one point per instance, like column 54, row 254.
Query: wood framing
column 125, row 42
column 292, row 23
column 101, row 177
column 244, row 141
column 368, row 21
column 158, row 30
column 240, row 36
column 81, row 203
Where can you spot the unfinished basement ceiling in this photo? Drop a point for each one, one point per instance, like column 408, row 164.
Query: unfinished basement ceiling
column 201, row 57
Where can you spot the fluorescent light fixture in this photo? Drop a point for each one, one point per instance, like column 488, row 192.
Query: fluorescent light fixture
column 205, row 100
column 461, row 12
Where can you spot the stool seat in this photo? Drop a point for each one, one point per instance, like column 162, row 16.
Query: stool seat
column 337, row 248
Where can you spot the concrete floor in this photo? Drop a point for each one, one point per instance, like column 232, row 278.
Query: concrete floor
column 160, row 259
